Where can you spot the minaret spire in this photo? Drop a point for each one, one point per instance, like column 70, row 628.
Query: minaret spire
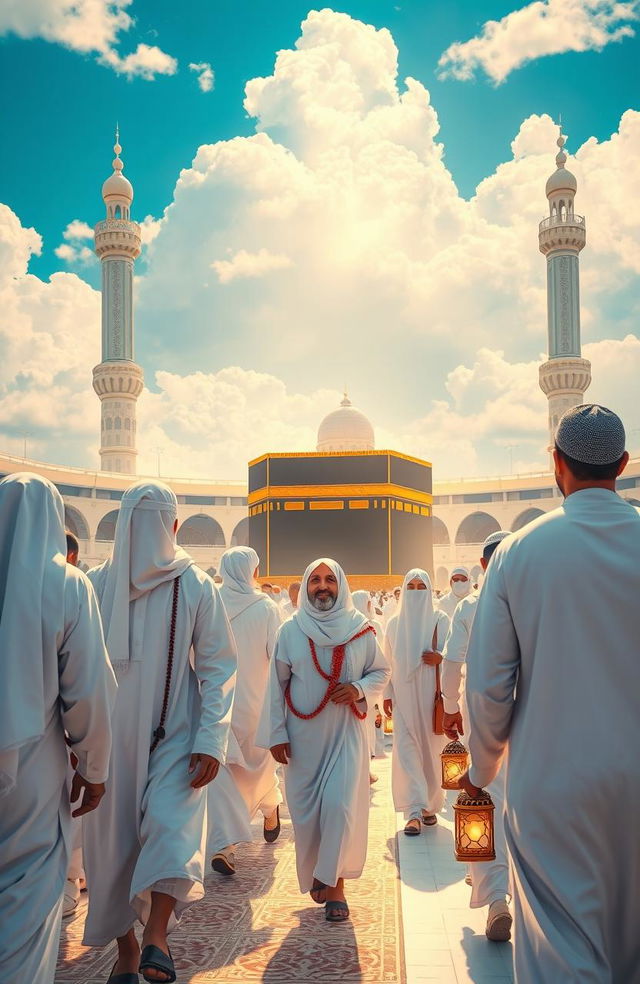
column 565, row 376
column 118, row 381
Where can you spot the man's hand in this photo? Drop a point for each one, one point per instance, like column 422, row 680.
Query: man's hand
column 467, row 785
column 431, row 657
column 207, row 767
column 281, row 753
column 452, row 724
column 92, row 794
column 387, row 706
column 345, row 693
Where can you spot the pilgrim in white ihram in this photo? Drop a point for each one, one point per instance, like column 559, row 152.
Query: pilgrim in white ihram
column 490, row 884
column 460, row 587
column 146, row 845
column 247, row 783
column 552, row 675
column 55, row 677
column 314, row 719
column 413, row 644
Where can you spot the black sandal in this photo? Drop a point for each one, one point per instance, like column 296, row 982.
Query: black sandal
column 153, row 958
column 272, row 835
column 332, row 910
column 129, row 978
column 318, row 886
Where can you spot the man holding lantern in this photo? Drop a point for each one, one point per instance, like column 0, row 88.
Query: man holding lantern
column 553, row 677
column 489, row 879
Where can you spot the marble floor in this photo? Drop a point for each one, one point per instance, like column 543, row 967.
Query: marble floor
column 410, row 919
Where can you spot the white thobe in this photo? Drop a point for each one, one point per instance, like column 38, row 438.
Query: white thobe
column 489, row 879
column 149, row 834
column 449, row 602
column 35, row 818
column 328, row 774
column 553, row 673
column 416, row 775
column 247, row 783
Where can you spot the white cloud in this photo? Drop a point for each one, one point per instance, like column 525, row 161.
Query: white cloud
column 77, row 229
column 244, row 264
column 206, row 75
column 149, row 229
column 544, row 27
column 89, row 27
column 432, row 308
column 73, row 249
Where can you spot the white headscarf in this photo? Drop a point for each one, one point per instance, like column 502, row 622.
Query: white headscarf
column 32, row 575
column 416, row 621
column 336, row 626
column 460, row 589
column 364, row 603
column 239, row 589
column 145, row 554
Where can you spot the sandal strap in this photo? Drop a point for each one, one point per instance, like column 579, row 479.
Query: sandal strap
column 153, row 958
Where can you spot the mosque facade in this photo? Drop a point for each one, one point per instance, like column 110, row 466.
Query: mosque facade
column 214, row 514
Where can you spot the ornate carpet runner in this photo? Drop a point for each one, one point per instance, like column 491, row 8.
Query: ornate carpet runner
column 255, row 926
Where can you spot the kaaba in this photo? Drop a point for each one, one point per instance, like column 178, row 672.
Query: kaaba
column 369, row 510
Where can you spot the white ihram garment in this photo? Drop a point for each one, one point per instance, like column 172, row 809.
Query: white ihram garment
column 149, row 834
column 490, row 879
column 415, row 766
column 553, row 675
column 364, row 604
column 247, row 783
column 54, row 669
column 327, row 777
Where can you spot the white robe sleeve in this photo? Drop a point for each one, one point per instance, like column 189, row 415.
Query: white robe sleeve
column 388, row 653
column 493, row 662
column 455, row 654
column 87, row 682
column 377, row 671
column 272, row 727
column 273, row 625
column 215, row 663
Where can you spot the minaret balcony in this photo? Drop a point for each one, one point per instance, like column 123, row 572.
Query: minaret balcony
column 118, row 379
column 118, row 236
column 565, row 376
column 567, row 231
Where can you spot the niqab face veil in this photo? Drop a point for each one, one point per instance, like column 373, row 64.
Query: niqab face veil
column 239, row 590
column 32, row 577
column 415, row 622
column 337, row 625
column 145, row 555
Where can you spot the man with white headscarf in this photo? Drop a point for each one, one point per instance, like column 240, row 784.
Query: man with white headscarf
column 174, row 656
column 326, row 673
column 552, row 679
column 489, row 879
column 459, row 588
column 55, row 677
column 413, row 644
column 247, row 783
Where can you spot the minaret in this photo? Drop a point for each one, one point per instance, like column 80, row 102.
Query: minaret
column 118, row 381
column 566, row 375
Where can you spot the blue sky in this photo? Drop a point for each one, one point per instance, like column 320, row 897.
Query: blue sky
column 63, row 110
column 369, row 217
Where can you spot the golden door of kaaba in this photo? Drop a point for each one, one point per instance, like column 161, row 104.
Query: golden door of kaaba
column 369, row 510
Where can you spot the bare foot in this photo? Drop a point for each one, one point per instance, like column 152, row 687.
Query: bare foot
column 271, row 822
column 153, row 937
column 128, row 955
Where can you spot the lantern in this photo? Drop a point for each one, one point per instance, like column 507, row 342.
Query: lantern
column 474, row 827
column 388, row 725
column 455, row 761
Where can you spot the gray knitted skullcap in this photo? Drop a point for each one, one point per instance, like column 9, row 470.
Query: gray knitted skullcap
column 496, row 537
column 591, row 434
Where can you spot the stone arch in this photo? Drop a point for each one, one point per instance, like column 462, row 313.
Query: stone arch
column 439, row 531
column 201, row 531
column 75, row 522
column 240, row 535
column 107, row 527
column 118, row 212
column 476, row 527
column 442, row 578
column 526, row 517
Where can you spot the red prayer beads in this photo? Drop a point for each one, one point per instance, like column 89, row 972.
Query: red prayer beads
column 332, row 678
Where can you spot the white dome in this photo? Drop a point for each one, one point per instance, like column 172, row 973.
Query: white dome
column 346, row 429
column 561, row 180
column 117, row 186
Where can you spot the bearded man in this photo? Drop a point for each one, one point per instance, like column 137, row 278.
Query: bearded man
column 327, row 671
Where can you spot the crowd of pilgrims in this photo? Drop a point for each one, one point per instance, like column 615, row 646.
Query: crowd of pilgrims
column 172, row 711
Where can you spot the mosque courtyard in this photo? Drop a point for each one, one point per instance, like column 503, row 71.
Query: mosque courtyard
column 411, row 923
